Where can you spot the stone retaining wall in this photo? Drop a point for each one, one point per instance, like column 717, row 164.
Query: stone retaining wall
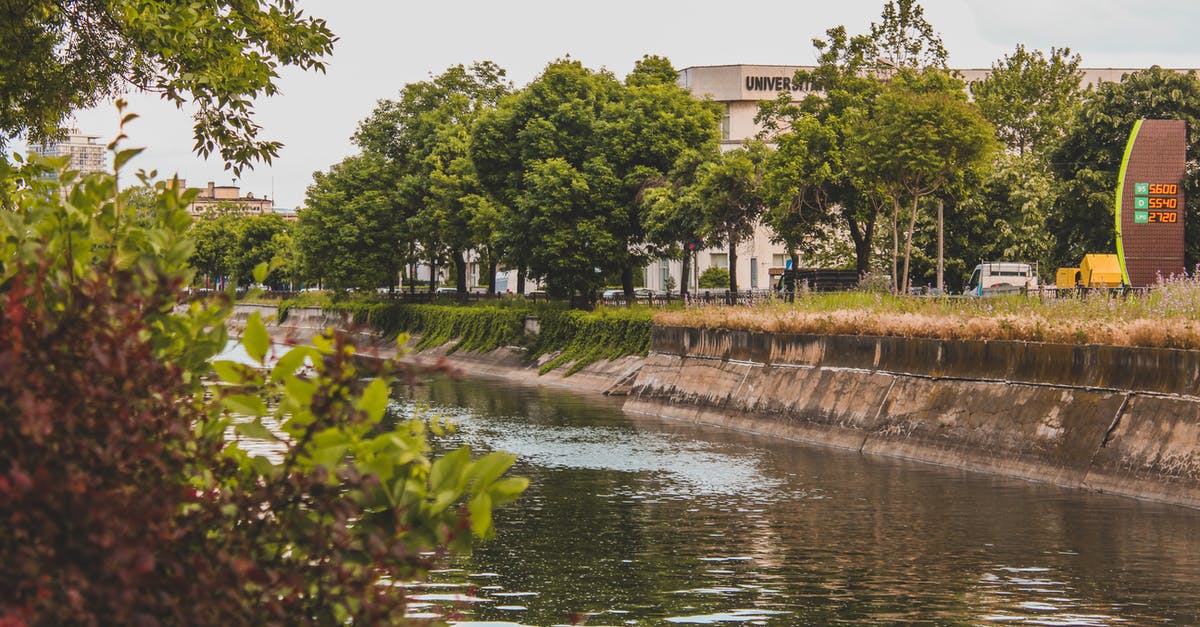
column 1114, row 419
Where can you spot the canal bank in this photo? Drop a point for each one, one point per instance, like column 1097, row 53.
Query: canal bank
column 1119, row 420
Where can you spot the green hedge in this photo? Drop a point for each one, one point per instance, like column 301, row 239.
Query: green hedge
column 476, row 328
column 582, row 338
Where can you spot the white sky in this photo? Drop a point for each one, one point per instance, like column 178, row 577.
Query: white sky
column 385, row 44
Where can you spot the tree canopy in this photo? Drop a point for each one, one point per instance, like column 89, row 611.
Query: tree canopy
column 922, row 136
column 218, row 56
column 1030, row 96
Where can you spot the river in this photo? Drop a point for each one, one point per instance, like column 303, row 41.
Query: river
column 631, row 520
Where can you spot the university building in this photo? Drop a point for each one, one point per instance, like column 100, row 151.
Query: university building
column 739, row 89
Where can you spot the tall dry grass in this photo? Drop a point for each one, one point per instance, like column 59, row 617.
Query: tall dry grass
column 1167, row 316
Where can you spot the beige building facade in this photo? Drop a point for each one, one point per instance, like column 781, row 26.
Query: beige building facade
column 229, row 198
column 86, row 155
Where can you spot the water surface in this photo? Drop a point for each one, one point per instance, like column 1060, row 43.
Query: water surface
column 632, row 520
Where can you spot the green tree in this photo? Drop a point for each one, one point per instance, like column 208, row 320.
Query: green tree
column 571, row 229
column 731, row 191
column 643, row 136
column 214, row 238
column 846, row 91
column 1088, row 159
column 713, row 278
column 217, row 56
column 923, row 136
column 425, row 134
column 546, row 135
column 998, row 214
column 260, row 239
column 675, row 212
column 801, row 183
column 1030, row 97
column 903, row 40
column 352, row 232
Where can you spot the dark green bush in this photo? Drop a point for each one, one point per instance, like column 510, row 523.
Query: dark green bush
column 714, row 278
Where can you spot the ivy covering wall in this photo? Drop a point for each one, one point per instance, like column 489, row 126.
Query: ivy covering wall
column 576, row 338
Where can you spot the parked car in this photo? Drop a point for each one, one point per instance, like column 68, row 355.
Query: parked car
column 612, row 294
column 645, row 292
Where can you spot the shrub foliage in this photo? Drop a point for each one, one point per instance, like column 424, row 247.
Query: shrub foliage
column 127, row 492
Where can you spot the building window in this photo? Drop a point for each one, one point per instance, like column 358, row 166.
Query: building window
column 718, row 260
column 753, row 272
column 779, row 261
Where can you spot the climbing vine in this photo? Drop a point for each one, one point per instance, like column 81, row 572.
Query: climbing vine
column 577, row 338
column 581, row 338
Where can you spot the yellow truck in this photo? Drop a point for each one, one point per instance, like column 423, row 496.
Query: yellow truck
column 1095, row 271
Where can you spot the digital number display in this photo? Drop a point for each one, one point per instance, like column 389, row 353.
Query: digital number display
column 1163, row 203
column 1150, row 199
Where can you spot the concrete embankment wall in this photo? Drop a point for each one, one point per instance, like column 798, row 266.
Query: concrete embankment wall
column 1114, row 419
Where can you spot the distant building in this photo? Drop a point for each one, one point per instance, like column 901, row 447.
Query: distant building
column 86, row 155
column 217, row 198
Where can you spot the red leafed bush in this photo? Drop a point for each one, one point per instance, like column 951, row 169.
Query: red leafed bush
column 123, row 500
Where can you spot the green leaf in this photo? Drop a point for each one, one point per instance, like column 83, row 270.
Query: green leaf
column 255, row 429
column 230, row 371
column 290, row 362
column 329, row 456
column 260, row 272
column 122, row 157
column 245, row 404
column 255, row 338
column 299, row 391
column 374, row 399
column 507, row 490
column 480, row 509
column 448, row 470
column 487, row 469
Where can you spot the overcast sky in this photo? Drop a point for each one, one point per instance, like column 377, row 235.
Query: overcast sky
column 385, row 44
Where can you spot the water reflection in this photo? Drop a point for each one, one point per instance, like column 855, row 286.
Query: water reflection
column 633, row 520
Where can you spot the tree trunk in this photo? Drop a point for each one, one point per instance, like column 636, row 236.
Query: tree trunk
column 492, row 267
column 521, row 279
column 460, row 271
column 412, row 274
column 895, row 244
column 862, row 236
column 432, row 276
column 941, row 245
column 685, row 273
column 733, row 264
column 912, row 224
column 627, row 281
